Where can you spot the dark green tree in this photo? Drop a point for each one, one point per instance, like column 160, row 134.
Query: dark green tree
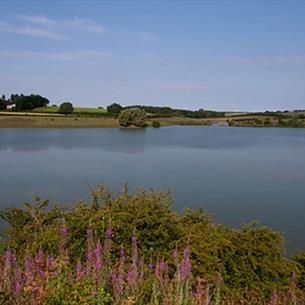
column 114, row 109
column 132, row 117
column 28, row 102
column 66, row 108
column 2, row 104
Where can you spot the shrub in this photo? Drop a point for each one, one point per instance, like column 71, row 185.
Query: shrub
column 251, row 258
column 132, row 117
column 101, row 278
column 156, row 124
column 114, row 109
column 66, row 108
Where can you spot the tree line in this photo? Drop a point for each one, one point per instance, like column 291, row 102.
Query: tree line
column 23, row 102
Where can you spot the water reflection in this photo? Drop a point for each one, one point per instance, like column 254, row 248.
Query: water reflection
column 138, row 140
column 237, row 174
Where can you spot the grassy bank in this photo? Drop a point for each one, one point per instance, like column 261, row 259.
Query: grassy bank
column 77, row 110
column 55, row 121
column 131, row 248
column 97, row 118
column 49, row 120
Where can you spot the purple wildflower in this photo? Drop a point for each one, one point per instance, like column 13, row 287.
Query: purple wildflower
column 17, row 281
column 28, row 268
column 79, row 270
column 161, row 272
column 8, row 261
column 132, row 274
column 63, row 240
column 109, row 231
column 122, row 252
column 98, row 257
column 151, row 267
column 50, row 261
column 117, row 282
column 39, row 257
column 275, row 298
column 90, row 251
column 185, row 266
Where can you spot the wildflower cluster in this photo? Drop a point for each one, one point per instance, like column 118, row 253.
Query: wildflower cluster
column 99, row 279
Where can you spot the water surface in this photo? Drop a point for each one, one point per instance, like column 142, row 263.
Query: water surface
column 236, row 174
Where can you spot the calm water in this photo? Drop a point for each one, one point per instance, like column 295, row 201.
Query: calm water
column 236, row 174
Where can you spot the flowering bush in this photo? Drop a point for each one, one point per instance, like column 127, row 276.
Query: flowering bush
column 100, row 280
column 89, row 258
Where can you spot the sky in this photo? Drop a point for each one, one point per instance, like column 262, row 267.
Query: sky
column 218, row 55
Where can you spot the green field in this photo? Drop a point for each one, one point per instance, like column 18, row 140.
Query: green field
column 77, row 110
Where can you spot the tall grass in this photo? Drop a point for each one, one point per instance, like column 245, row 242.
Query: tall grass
column 104, row 277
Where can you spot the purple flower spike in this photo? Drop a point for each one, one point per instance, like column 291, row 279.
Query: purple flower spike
column 17, row 281
column 185, row 266
column 50, row 261
column 132, row 274
column 275, row 299
column 176, row 254
column 122, row 252
column 98, row 257
column 63, row 239
column 109, row 232
column 117, row 282
column 8, row 260
column 63, row 231
column 90, row 250
column 79, row 270
column 151, row 267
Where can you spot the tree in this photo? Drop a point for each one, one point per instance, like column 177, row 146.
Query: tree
column 28, row 102
column 132, row 117
column 66, row 108
column 2, row 104
column 114, row 109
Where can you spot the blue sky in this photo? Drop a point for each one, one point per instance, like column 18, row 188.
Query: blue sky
column 222, row 55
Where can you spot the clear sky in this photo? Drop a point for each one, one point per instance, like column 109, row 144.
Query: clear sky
column 221, row 55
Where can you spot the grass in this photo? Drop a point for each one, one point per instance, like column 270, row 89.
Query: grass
column 179, row 121
column 31, row 121
column 77, row 110
column 86, row 117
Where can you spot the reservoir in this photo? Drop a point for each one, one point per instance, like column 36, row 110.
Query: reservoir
column 235, row 174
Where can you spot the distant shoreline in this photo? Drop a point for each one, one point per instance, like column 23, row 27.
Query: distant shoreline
column 41, row 120
column 54, row 120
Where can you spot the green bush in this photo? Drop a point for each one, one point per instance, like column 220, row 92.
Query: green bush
column 156, row 124
column 66, row 108
column 252, row 257
column 132, row 117
column 114, row 109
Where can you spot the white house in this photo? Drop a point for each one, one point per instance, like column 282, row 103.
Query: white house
column 12, row 106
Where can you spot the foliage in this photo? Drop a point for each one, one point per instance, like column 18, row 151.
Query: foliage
column 170, row 112
column 66, row 108
column 156, row 124
column 280, row 121
column 132, row 117
column 251, row 260
column 103, row 279
column 3, row 103
column 28, row 102
column 114, row 109
column 299, row 258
